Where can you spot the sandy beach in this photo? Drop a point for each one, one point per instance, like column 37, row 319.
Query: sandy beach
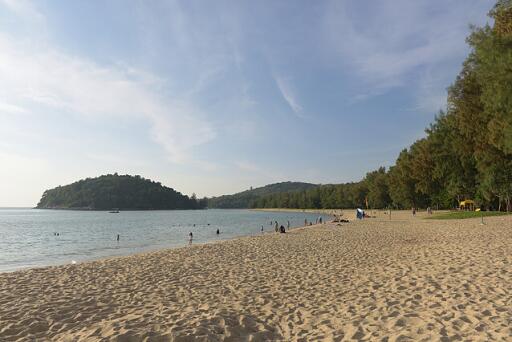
column 404, row 279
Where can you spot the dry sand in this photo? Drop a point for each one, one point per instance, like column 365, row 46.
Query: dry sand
column 378, row 280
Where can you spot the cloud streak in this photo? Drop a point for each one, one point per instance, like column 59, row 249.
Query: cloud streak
column 386, row 48
column 24, row 9
column 37, row 80
column 289, row 96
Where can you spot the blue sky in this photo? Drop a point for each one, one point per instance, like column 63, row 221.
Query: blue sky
column 213, row 97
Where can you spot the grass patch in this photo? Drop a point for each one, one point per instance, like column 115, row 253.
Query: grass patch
column 457, row 215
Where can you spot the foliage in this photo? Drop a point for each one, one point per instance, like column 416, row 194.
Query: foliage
column 321, row 197
column 117, row 191
column 245, row 198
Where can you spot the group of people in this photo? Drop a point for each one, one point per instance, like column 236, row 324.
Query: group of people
column 429, row 211
column 191, row 235
column 318, row 220
column 279, row 228
column 282, row 229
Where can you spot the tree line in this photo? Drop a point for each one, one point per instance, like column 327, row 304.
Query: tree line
column 245, row 198
column 467, row 150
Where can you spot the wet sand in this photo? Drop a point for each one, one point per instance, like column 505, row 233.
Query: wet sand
column 377, row 279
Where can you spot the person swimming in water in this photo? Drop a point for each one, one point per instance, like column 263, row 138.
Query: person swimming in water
column 218, row 231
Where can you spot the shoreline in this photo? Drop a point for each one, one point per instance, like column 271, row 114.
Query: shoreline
column 158, row 250
column 152, row 249
column 293, row 210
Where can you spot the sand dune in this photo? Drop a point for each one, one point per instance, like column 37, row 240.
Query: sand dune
column 405, row 279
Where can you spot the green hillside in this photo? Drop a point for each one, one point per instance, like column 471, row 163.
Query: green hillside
column 117, row 191
column 246, row 199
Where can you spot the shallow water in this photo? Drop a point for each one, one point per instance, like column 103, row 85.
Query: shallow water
column 27, row 236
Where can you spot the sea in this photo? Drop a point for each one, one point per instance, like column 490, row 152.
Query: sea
column 41, row 237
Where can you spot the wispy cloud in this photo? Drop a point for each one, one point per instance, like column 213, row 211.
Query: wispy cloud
column 388, row 47
column 37, row 78
column 23, row 8
column 10, row 108
column 289, row 96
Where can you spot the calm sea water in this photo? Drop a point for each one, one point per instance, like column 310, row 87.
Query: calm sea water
column 27, row 236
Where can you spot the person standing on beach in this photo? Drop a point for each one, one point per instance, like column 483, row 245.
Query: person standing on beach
column 191, row 236
column 262, row 228
column 305, row 222
column 413, row 211
column 117, row 237
column 276, row 227
column 288, row 225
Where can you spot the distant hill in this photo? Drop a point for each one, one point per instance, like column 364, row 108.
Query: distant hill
column 117, row 191
column 246, row 199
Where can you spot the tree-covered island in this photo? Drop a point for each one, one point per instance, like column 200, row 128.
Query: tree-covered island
column 117, row 191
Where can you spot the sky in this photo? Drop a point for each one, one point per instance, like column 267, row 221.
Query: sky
column 213, row 97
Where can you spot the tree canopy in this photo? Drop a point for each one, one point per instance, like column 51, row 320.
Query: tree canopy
column 245, row 199
column 117, row 191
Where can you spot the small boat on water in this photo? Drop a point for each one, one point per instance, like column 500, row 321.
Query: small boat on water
column 114, row 211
